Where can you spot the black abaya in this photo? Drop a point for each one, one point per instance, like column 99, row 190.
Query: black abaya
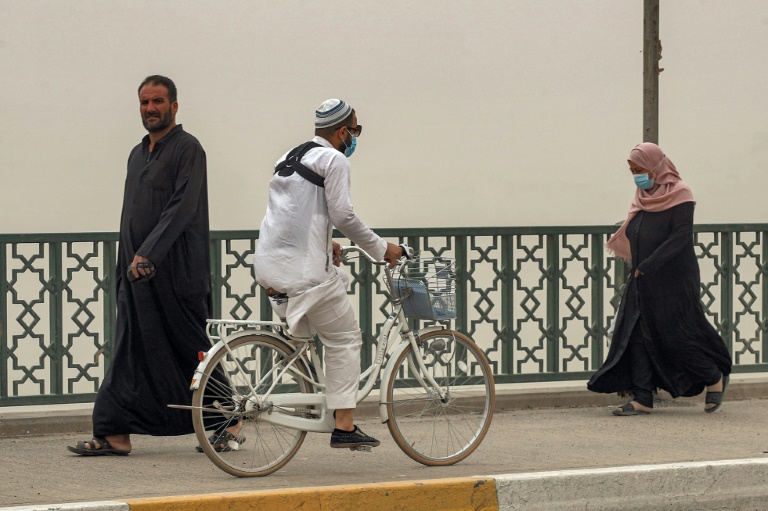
column 160, row 322
column 663, row 308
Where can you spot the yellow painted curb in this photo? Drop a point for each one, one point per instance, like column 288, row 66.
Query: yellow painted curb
column 475, row 494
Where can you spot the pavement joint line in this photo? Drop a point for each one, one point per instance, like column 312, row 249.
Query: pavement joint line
column 736, row 484
column 104, row 505
column 635, row 468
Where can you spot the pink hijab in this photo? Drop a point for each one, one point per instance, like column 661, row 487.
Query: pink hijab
column 668, row 190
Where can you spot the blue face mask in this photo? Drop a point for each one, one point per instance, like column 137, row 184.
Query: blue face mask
column 351, row 147
column 642, row 181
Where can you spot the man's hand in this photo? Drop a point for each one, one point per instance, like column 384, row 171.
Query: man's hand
column 638, row 273
column 336, row 254
column 393, row 253
column 137, row 272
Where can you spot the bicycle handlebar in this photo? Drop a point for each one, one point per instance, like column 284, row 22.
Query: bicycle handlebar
column 408, row 253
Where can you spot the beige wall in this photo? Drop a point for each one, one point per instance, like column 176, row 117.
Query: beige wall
column 476, row 112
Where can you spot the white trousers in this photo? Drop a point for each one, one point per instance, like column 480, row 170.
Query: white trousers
column 342, row 341
column 326, row 310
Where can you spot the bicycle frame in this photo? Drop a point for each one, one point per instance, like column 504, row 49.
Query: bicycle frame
column 395, row 326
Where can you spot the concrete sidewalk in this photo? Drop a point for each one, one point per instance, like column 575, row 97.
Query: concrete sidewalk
column 569, row 454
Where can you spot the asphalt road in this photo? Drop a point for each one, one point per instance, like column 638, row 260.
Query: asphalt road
column 39, row 469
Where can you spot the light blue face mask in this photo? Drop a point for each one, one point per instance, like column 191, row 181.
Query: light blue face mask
column 642, row 181
column 351, row 147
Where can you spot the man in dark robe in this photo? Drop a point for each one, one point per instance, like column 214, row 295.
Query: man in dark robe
column 163, row 283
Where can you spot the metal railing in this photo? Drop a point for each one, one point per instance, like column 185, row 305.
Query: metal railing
column 538, row 300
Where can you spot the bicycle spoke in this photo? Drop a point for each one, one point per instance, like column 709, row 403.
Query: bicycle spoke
column 253, row 362
column 434, row 430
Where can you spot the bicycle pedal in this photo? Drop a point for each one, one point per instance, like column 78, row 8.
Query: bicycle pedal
column 361, row 448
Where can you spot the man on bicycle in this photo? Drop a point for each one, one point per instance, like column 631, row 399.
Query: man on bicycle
column 296, row 258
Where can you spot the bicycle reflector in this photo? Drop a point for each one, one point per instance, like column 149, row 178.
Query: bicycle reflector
column 200, row 356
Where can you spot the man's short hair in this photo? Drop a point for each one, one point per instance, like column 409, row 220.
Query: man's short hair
column 161, row 80
column 328, row 132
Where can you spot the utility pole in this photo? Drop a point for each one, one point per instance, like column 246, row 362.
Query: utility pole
column 651, row 71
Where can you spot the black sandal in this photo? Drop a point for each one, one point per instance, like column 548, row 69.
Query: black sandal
column 715, row 398
column 224, row 442
column 106, row 448
column 628, row 409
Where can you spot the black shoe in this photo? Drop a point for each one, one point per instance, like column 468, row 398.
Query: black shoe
column 349, row 439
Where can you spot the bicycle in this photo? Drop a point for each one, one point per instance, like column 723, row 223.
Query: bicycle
column 436, row 395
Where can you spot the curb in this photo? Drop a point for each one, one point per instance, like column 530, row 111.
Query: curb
column 708, row 485
column 713, row 485
column 470, row 494
column 454, row 494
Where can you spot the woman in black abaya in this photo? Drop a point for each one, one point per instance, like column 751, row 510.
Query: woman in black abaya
column 662, row 338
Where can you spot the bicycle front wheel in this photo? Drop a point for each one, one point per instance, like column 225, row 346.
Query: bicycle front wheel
column 232, row 385
column 436, row 430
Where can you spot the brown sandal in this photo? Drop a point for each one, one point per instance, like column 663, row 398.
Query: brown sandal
column 89, row 448
column 628, row 409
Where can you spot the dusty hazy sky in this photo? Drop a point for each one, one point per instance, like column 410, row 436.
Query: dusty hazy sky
column 476, row 112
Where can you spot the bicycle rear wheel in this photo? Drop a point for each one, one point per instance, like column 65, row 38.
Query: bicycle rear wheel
column 260, row 448
column 434, row 430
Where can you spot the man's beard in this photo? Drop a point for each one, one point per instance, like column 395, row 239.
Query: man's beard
column 159, row 125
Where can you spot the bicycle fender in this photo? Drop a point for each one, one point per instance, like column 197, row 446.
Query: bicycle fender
column 391, row 367
column 207, row 356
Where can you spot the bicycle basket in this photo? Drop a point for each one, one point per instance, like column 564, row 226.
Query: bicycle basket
column 428, row 289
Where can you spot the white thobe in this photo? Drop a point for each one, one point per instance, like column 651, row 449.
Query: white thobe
column 294, row 255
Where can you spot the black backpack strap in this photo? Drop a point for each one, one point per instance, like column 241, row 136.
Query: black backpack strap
column 292, row 163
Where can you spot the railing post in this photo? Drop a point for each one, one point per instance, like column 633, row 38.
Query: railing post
column 461, row 283
column 726, row 292
column 507, row 304
column 764, row 276
column 621, row 274
column 109, row 261
column 598, row 315
column 365, row 290
column 3, row 322
column 265, row 308
column 55, row 289
column 216, row 278
column 414, row 242
column 553, row 304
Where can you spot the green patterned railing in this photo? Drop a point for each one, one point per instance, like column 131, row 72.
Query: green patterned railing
column 538, row 300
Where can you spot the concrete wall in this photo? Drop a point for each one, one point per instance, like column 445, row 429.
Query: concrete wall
column 476, row 112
